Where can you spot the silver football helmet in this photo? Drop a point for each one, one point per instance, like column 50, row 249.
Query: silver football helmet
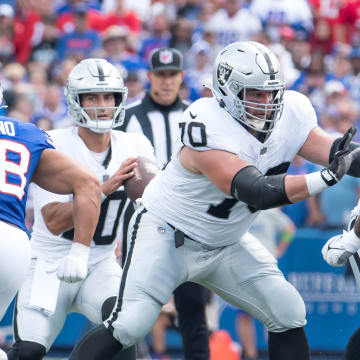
column 94, row 76
column 249, row 65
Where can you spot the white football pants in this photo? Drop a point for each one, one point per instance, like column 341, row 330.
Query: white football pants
column 14, row 262
column 244, row 274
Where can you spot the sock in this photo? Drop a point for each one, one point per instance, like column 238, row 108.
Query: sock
column 291, row 344
column 352, row 348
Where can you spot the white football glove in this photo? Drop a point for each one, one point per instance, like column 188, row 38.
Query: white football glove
column 3, row 355
column 73, row 267
column 339, row 248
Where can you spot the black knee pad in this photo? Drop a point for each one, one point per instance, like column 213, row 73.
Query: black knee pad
column 107, row 307
column 26, row 350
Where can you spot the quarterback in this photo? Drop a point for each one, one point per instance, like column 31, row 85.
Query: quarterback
column 230, row 163
column 96, row 97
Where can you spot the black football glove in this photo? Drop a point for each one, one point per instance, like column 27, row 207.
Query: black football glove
column 342, row 161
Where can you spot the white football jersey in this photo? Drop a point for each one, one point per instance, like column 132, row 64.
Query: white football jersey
column 193, row 204
column 123, row 145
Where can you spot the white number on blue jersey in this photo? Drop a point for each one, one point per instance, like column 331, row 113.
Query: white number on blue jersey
column 19, row 169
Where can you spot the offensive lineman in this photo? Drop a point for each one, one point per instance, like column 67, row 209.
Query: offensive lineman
column 96, row 97
column 27, row 154
column 231, row 162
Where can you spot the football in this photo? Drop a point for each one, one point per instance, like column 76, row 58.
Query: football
column 144, row 172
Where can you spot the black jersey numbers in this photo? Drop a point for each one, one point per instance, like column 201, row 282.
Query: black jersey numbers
column 223, row 209
column 196, row 133
column 106, row 229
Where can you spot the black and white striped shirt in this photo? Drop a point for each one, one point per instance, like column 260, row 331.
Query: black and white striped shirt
column 159, row 123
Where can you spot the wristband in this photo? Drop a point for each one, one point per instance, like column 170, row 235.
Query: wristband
column 287, row 237
column 80, row 250
column 315, row 183
column 328, row 176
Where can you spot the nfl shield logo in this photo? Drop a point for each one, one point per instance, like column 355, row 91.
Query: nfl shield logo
column 166, row 57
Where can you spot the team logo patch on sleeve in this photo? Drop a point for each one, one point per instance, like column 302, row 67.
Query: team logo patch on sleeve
column 49, row 139
column 223, row 73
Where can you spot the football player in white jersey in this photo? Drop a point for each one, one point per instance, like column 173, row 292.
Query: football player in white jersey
column 96, row 98
column 229, row 164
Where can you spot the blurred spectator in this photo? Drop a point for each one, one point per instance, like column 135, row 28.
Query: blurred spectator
column 311, row 81
column 233, row 23
column 159, row 34
column 15, row 74
column 334, row 92
column 71, row 5
column 54, row 108
column 201, row 58
column 181, row 39
column 141, row 7
column 26, row 25
column 286, row 62
column 347, row 28
column 66, row 14
column 275, row 13
column 44, row 123
column 189, row 9
column 81, row 41
column 22, row 109
column 135, row 87
column 339, row 66
column 37, row 79
column 300, row 49
column 207, row 10
column 6, row 34
column 326, row 15
column 115, row 49
column 45, row 52
column 353, row 80
column 61, row 71
column 120, row 16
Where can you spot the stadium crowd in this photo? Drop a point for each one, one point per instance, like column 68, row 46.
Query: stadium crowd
column 317, row 42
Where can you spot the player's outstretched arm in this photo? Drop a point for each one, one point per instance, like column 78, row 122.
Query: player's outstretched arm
column 246, row 183
column 57, row 173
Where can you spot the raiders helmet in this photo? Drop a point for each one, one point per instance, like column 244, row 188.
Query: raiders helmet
column 94, row 76
column 249, row 65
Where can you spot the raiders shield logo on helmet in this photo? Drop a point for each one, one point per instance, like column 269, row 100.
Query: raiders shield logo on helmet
column 223, row 73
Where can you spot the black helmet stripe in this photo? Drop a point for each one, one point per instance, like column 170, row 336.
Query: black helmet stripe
column 270, row 65
column 100, row 71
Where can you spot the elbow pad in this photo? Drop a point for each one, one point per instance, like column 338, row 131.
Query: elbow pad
column 355, row 166
column 257, row 190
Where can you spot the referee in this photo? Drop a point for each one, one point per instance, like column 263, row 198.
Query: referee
column 157, row 116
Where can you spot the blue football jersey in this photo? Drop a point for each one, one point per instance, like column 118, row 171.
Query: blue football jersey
column 21, row 145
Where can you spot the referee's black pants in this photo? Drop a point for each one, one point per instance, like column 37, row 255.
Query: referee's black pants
column 190, row 301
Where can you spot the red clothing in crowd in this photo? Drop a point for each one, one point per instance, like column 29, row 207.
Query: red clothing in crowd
column 101, row 22
column 24, row 32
